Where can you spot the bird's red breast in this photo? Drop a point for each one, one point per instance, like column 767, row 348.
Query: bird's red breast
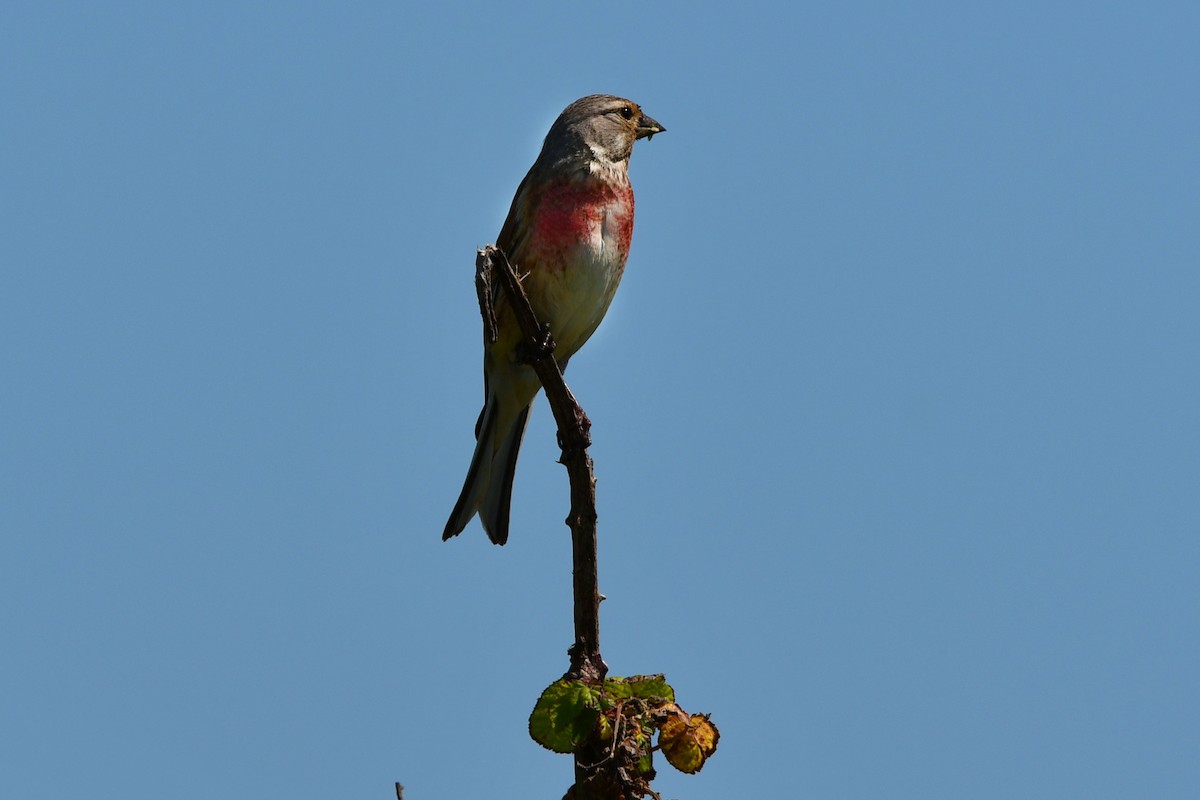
column 580, row 214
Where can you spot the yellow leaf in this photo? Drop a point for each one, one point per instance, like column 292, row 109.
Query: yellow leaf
column 687, row 742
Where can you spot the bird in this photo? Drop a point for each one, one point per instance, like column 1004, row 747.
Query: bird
column 567, row 234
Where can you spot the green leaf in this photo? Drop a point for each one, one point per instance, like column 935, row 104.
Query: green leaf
column 645, row 764
column 565, row 715
column 645, row 687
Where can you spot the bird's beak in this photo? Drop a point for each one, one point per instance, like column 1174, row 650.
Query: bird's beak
column 647, row 127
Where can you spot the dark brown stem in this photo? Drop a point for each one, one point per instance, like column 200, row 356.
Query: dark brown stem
column 492, row 265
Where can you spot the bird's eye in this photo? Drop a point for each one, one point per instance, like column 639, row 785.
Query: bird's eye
column 626, row 112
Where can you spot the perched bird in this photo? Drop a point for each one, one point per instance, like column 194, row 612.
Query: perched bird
column 567, row 234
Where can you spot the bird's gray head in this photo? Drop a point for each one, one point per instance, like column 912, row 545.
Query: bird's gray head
column 601, row 127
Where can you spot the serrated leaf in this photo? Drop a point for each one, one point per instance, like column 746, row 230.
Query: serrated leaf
column 687, row 742
column 565, row 715
column 604, row 729
column 651, row 686
column 640, row 686
column 645, row 765
column 618, row 688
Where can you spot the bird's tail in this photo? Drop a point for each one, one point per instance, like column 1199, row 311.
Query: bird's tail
column 488, row 487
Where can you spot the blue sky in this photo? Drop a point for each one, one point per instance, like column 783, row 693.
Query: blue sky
column 895, row 414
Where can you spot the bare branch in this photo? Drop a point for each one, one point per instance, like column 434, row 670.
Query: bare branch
column 573, row 437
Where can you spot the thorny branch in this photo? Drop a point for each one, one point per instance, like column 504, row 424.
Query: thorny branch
column 491, row 265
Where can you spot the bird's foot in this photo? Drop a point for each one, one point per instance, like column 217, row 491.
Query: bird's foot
column 531, row 350
column 578, row 438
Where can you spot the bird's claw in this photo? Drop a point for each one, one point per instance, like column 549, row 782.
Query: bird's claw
column 577, row 439
column 532, row 350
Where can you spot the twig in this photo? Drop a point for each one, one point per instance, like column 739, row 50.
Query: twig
column 483, row 290
column 573, row 425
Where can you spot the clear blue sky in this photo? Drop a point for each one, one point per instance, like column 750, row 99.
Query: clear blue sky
column 895, row 415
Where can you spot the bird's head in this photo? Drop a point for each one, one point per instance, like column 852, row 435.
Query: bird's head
column 603, row 124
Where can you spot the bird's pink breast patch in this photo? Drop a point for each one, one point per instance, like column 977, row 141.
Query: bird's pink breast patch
column 581, row 213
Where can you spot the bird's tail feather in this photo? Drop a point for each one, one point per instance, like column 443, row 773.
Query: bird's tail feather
column 497, row 500
column 488, row 487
